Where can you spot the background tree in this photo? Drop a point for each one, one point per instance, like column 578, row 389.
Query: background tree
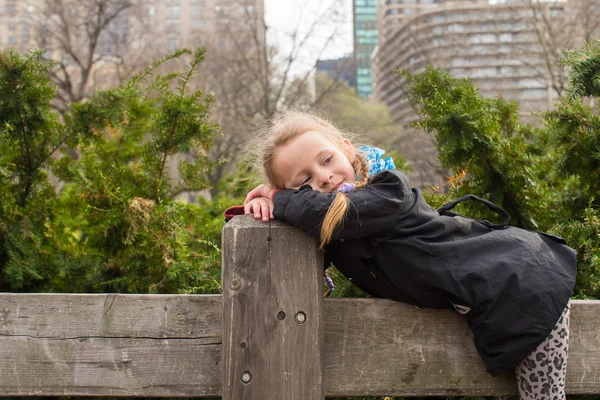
column 116, row 224
column 88, row 39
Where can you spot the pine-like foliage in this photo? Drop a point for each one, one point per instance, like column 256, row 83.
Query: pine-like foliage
column 117, row 224
column 585, row 71
column 484, row 137
column 30, row 134
column 574, row 126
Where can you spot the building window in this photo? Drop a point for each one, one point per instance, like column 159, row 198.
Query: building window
column 505, row 37
column 172, row 23
column 172, row 43
column 30, row 8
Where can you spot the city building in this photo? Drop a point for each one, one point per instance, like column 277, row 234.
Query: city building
column 193, row 23
column 146, row 28
column 365, row 40
column 507, row 49
column 340, row 70
column 15, row 31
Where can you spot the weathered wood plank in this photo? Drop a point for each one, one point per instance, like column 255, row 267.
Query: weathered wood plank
column 109, row 367
column 105, row 345
column 272, row 312
column 110, row 315
column 372, row 347
column 379, row 347
column 410, row 352
column 66, row 344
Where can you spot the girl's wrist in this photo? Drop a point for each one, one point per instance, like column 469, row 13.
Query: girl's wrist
column 273, row 193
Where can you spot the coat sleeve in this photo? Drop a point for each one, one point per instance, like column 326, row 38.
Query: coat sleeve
column 371, row 210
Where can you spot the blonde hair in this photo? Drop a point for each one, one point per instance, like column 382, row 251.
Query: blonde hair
column 291, row 124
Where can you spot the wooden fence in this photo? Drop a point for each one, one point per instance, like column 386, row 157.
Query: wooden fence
column 271, row 335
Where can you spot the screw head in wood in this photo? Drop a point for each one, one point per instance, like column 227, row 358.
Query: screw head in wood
column 246, row 377
column 300, row 317
column 280, row 315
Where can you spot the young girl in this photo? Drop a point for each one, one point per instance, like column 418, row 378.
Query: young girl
column 512, row 285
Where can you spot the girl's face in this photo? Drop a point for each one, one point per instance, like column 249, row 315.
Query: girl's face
column 312, row 159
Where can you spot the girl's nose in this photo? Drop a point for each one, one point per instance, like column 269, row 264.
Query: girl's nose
column 325, row 178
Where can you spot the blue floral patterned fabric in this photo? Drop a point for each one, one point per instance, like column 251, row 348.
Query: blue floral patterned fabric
column 376, row 163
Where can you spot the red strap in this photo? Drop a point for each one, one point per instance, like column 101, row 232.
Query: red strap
column 233, row 211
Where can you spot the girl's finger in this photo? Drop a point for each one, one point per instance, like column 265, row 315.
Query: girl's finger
column 257, row 209
column 254, row 209
column 265, row 210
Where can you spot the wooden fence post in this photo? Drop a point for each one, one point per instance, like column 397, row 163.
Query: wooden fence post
column 272, row 312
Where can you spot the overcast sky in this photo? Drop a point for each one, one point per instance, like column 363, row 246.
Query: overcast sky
column 286, row 16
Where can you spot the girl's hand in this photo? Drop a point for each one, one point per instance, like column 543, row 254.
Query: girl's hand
column 265, row 191
column 261, row 207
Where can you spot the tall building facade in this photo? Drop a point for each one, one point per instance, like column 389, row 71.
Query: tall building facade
column 496, row 45
column 193, row 23
column 147, row 27
column 15, row 29
column 365, row 40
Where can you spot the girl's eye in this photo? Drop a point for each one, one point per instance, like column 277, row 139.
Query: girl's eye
column 327, row 160
column 305, row 181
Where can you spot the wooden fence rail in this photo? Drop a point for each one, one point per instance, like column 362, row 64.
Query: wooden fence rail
column 269, row 336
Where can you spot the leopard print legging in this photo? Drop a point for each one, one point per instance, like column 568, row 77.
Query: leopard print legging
column 541, row 375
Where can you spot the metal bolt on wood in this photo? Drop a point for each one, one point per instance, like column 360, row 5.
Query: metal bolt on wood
column 246, row 377
column 300, row 317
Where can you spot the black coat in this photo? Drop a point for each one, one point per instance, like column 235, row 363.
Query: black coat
column 511, row 283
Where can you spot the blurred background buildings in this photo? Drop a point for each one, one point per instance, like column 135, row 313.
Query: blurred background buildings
column 164, row 24
column 342, row 69
column 510, row 48
column 507, row 48
column 99, row 43
column 365, row 30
